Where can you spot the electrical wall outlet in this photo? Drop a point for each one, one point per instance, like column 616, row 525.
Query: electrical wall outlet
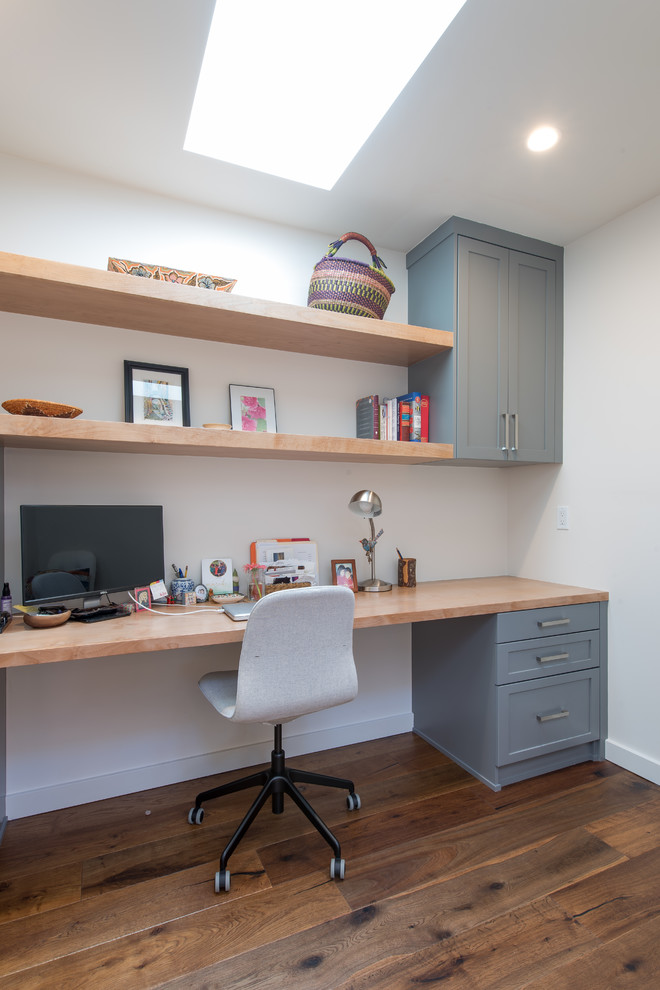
column 562, row 517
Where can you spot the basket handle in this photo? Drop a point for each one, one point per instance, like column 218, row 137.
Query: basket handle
column 352, row 236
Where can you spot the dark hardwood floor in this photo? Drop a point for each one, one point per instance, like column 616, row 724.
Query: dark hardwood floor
column 551, row 883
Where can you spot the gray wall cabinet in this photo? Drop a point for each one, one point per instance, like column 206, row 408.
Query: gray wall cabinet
column 498, row 395
column 513, row 695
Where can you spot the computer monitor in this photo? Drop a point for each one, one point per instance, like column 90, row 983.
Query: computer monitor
column 85, row 551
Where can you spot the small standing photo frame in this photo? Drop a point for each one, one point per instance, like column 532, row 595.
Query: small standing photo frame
column 142, row 598
column 344, row 573
column 252, row 408
column 156, row 393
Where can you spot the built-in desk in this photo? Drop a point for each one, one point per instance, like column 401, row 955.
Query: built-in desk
column 428, row 603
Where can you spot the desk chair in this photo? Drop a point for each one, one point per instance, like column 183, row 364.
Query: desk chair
column 296, row 658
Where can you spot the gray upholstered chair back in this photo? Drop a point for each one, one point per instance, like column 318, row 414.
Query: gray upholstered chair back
column 297, row 655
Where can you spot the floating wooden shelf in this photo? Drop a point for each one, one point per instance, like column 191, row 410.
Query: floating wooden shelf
column 88, row 295
column 147, row 438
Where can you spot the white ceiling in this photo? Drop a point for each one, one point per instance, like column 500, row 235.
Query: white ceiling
column 105, row 88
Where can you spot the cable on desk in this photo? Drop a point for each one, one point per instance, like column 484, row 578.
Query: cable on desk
column 195, row 611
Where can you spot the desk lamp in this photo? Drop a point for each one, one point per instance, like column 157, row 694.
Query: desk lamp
column 368, row 504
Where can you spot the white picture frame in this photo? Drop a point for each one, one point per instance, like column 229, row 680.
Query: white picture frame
column 217, row 575
column 252, row 408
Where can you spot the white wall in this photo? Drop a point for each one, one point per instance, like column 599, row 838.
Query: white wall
column 83, row 730
column 610, row 477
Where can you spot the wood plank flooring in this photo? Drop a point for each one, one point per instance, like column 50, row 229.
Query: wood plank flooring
column 550, row 884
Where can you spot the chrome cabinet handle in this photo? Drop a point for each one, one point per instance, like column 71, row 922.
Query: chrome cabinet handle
column 514, row 417
column 551, row 718
column 555, row 656
column 553, row 622
column 506, row 432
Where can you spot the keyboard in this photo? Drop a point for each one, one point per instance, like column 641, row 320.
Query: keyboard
column 99, row 613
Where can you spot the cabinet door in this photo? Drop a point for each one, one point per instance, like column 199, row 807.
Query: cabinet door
column 483, row 350
column 531, row 358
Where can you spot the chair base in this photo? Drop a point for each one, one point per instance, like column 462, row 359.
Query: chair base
column 275, row 782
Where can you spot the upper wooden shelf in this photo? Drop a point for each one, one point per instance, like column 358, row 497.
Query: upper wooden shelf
column 152, row 438
column 87, row 295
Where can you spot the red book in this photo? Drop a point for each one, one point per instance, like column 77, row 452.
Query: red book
column 425, row 419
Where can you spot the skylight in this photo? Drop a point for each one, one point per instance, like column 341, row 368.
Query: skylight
column 294, row 88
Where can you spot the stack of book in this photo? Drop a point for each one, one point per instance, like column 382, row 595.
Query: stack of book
column 404, row 418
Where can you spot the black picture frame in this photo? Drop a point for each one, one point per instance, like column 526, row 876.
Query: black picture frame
column 169, row 403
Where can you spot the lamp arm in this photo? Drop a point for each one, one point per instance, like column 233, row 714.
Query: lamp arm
column 373, row 549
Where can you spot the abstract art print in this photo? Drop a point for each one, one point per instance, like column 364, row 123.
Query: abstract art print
column 252, row 408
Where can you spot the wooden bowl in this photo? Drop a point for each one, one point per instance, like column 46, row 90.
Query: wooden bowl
column 37, row 407
column 45, row 621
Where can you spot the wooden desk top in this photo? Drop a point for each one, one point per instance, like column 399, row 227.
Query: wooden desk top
column 170, row 629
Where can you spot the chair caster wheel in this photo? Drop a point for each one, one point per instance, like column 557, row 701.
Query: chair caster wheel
column 337, row 868
column 353, row 802
column 195, row 816
column 222, row 881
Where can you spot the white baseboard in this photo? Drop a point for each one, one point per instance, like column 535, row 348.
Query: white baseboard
column 635, row 762
column 35, row 802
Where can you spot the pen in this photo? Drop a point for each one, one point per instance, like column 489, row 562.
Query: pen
column 399, row 553
column 186, row 574
column 175, row 569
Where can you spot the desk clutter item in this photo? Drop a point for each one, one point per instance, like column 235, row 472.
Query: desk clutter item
column 37, row 621
column 182, row 590
column 348, row 286
column 285, row 563
column 227, row 599
column 287, row 587
column 165, row 274
column 217, row 575
column 407, row 572
column 38, row 407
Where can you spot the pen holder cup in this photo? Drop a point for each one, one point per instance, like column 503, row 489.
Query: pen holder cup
column 407, row 572
column 179, row 587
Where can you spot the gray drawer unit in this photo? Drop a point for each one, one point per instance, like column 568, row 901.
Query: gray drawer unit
column 513, row 695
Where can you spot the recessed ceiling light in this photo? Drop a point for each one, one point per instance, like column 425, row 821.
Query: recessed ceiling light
column 294, row 89
column 542, row 138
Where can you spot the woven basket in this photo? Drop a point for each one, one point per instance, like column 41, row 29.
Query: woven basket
column 347, row 286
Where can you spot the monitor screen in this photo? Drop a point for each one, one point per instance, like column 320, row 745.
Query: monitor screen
column 84, row 551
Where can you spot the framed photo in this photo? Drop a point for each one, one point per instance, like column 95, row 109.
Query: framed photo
column 142, row 599
column 344, row 572
column 217, row 575
column 252, row 408
column 156, row 393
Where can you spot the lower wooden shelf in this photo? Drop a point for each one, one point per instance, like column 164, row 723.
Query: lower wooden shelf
column 147, row 438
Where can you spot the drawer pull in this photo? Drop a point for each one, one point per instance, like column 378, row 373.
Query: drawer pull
column 551, row 718
column 555, row 656
column 553, row 622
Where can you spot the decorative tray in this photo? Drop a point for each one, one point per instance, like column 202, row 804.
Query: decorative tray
column 227, row 599
column 37, row 407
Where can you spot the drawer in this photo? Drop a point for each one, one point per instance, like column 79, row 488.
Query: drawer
column 534, row 622
column 537, row 717
column 543, row 657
